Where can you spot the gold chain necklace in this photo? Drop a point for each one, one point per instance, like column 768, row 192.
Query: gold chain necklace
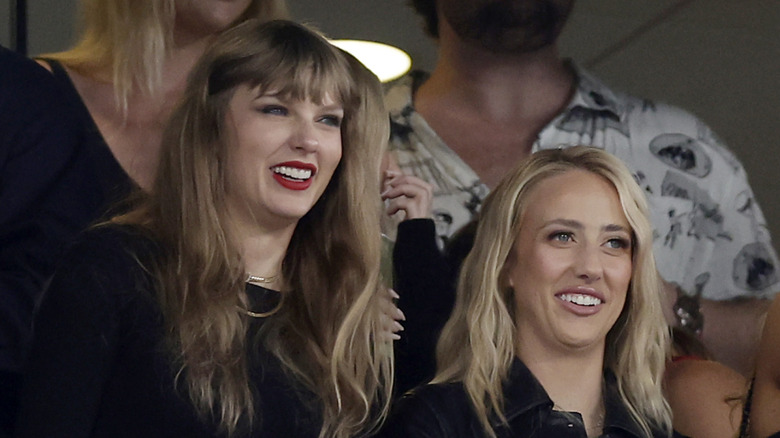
column 260, row 280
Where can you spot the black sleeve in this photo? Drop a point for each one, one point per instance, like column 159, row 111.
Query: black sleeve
column 76, row 335
column 44, row 194
column 423, row 281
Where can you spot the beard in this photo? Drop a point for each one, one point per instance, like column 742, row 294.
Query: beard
column 508, row 26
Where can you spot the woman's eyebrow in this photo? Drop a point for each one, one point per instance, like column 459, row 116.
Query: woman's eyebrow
column 615, row 227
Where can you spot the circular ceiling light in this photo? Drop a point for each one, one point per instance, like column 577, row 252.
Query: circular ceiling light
column 385, row 61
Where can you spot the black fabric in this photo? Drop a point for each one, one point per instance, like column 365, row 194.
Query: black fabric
column 422, row 280
column 107, row 175
column 99, row 366
column 444, row 410
column 46, row 197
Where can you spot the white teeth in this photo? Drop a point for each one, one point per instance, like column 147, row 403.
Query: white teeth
column 292, row 172
column 581, row 300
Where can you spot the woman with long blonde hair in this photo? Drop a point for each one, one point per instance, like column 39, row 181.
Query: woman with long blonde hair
column 241, row 296
column 127, row 71
column 558, row 326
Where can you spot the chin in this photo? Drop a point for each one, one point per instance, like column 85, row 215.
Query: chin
column 582, row 339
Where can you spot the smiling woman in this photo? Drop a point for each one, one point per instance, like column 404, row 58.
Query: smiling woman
column 241, row 296
column 284, row 152
column 559, row 303
column 570, row 266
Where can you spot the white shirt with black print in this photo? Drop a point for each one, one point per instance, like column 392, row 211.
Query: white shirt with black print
column 710, row 234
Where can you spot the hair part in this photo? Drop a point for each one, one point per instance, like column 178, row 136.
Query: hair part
column 327, row 331
column 637, row 344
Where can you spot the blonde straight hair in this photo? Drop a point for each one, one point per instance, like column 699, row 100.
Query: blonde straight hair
column 327, row 332
column 131, row 39
column 637, row 344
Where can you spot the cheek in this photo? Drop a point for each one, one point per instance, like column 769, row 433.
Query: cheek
column 550, row 264
column 332, row 154
column 620, row 271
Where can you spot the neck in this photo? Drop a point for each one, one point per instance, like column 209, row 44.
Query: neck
column 573, row 380
column 178, row 64
column 497, row 85
column 263, row 250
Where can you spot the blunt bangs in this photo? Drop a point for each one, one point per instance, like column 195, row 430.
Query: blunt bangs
column 286, row 59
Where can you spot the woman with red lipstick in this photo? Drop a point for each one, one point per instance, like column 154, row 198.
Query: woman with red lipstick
column 558, row 327
column 240, row 297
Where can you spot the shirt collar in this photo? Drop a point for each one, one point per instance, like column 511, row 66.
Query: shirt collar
column 617, row 415
column 593, row 94
column 523, row 393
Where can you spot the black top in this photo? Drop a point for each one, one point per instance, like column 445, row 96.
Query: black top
column 444, row 410
column 98, row 366
column 56, row 177
column 40, row 172
column 108, row 177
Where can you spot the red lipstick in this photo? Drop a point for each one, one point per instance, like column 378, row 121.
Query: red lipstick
column 294, row 175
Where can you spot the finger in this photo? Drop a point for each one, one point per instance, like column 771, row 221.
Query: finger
column 415, row 208
column 395, row 179
column 388, row 307
column 389, row 329
column 408, row 190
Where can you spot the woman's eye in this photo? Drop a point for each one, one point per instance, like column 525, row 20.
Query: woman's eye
column 332, row 120
column 275, row 110
column 618, row 243
column 561, row 236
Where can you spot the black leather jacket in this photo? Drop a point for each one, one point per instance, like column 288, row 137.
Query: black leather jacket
column 444, row 410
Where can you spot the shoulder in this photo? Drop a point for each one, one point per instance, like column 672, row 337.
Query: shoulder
column 19, row 70
column 434, row 410
column 110, row 242
column 110, row 258
column 764, row 417
column 644, row 116
column 705, row 397
column 28, row 88
column 29, row 92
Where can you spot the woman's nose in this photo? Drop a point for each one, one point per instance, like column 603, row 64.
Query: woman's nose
column 588, row 265
column 304, row 137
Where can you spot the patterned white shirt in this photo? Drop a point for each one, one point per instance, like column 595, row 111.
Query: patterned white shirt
column 709, row 232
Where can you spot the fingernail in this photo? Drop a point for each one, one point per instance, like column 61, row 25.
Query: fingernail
column 394, row 294
column 397, row 327
column 400, row 314
column 395, row 337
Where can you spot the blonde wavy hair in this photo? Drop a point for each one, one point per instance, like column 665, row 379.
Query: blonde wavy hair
column 131, row 39
column 326, row 333
column 637, row 344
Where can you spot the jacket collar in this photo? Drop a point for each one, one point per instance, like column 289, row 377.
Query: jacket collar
column 523, row 393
